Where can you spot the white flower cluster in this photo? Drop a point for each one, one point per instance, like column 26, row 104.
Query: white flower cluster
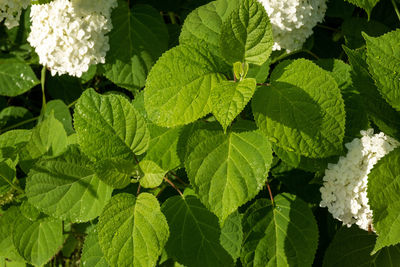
column 10, row 11
column 293, row 20
column 71, row 36
column 344, row 192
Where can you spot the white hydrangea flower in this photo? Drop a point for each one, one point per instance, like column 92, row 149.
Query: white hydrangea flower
column 344, row 192
column 10, row 11
column 293, row 20
column 71, row 36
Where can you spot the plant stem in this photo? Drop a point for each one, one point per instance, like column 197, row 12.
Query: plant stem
column 72, row 104
column 270, row 194
column 43, row 81
column 173, row 185
column 138, row 190
column 172, row 17
column 327, row 28
column 396, row 9
column 293, row 53
column 18, row 124
column 16, row 187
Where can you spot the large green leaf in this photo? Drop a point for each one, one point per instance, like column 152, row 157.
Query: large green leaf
column 179, row 86
column 383, row 115
column 131, row 56
column 367, row 5
column 195, row 232
column 384, row 199
column 92, row 255
column 302, row 110
column 108, row 126
column 132, row 231
column 383, row 58
column 204, row 24
column 16, row 77
column 227, row 170
column 229, row 98
column 246, row 36
column 285, row 234
column 352, row 247
column 7, row 248
column 67, row 188
column 37, row 241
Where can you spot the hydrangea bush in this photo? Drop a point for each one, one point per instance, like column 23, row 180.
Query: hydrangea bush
column 199, row 133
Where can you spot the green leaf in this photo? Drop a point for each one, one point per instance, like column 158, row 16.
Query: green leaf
column 61, row 113
column 92, row 255
column 8, row 174
column 229, row 98
column 302, row 110
column 367, row 5
column 179, row 86
column 356, row 116
column 48, row 138
column 246, row 36
column 352, row 28
column 37, row 241
column 195, row 232
column 352, row 247
column 132, row 231
column 151, row 174
column 163, row 147
column 13, row 115
column 29, row 211
column 383, row 115
column 67, row 188
column 204, row 24
column 232, row 234
column 16, row 77
column 108, row 126
column 384, row 199
column 285, row 234
column 383, row 58
column 228, row 170
column 115, row 172
column 7, row 248
column 131, row 57
column 12, row 142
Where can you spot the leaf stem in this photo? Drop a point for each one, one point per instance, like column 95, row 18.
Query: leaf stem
column 270, row 193
column 172, row 17
column 16, row 187
column 18, row 124
column 396, row 9
column 138, row 190
column 327, row 28
column 72, row 104
column 293, row 53
column 42, row 82
column 173, row 185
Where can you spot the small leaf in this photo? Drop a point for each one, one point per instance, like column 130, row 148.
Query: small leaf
column 383, row 58
column 232, row 234
column 246, row 36
column 109, row 126
column 367, row 5
column 66, row 188
column 384, row 199
column 61, row 113
column 285, row 234
column 115, row 172
column 37, row 241
column 179, row 86
column 152, row 174
column 302, row 110
column 194, row 240
column 227, row 170
column 16, row 77
column 132, row 231
column 229, row 98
